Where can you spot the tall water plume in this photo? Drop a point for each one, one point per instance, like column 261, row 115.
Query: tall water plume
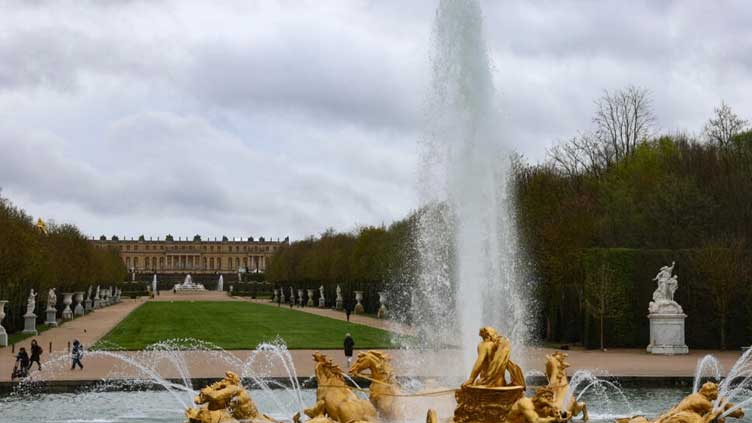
column 466, row 243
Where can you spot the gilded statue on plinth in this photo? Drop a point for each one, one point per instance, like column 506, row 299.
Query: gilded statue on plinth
column 487, row 395
column 226, row 401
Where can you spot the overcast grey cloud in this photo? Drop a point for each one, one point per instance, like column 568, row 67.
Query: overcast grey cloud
column 270, row 118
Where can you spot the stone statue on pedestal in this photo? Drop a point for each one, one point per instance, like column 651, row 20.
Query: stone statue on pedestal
column 666, row 315
column 339, row 300
column 30, row 319
column 322, row 299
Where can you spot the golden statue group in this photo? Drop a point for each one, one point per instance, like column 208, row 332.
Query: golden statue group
column 494, row 393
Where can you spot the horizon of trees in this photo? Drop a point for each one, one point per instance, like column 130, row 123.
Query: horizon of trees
column 620, row 184
column 62, row 258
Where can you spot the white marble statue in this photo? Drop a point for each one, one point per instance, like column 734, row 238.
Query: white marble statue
column 666, row 316
column 663, row 296
column 88, row 293
column 339, row 293
column 321, row 291
column 96, row 296
column 31, row 302
column 51, row 298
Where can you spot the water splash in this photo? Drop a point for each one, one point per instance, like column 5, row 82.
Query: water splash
column 466, row 241
column 707, row 367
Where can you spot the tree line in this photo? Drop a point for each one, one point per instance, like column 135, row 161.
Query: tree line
column 60, row 257
column 620, row 184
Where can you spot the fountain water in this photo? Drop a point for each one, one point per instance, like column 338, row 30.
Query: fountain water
column 468, row 269
column 189, row 286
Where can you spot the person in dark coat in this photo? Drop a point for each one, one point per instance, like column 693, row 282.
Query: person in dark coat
column 77, row 354
column 22, row 364
column 347, row 312
column 36, row 354
column 349, row 344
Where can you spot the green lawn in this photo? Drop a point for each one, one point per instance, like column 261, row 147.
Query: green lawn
column 238, row 325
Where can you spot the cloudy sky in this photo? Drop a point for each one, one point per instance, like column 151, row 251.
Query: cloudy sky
column 275, row 118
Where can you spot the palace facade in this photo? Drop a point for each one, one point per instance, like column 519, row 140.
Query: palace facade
column 193, row 256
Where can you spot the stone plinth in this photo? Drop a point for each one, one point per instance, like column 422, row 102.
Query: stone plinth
column 310, row 302
column 667, row 334
column 477, row 404
column 359, row 309
column 51, row 316
column 30, row 323
column 67, row 300
column 322, row 302
column 79, row 309
column 89, row 305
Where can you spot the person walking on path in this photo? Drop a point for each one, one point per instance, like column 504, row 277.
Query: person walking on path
column 349, row 344
column 21, row 369
column 77, row 354
column 36, row 354
column 347, row 313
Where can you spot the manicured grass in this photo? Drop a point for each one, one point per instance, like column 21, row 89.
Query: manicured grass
column 238, row 325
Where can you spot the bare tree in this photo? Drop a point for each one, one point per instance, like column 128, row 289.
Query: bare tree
column 622, row 120
column 724, row 125
column 602, row 298
column 577, row 155
column 724, row 269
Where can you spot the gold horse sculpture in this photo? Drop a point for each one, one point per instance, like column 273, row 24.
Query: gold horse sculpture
column 226, row 402
column 556, row 373
column 383, row 389
column 334, row 399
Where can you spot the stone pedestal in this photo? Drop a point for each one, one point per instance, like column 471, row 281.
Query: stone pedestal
column 88, row 305
column 79, row 309
column 30, row 323
column 338, row 305
column 322, row 302
column 51, row 316
column 310, row 302
column 359, row 309
column 382, row 305
column 67, row 300
column 667, row 334
column 300, row 297
column 276, row 296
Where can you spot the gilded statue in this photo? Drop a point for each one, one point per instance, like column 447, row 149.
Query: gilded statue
column 493, row 362
column 487, row 396
column 41, row 226
column 384, row 388
column 334, row 399
column 556, row 373
column 226, row 402
column 694, row 408
column 541, row 408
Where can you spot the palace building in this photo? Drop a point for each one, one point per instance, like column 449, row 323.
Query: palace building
column 194, row 256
